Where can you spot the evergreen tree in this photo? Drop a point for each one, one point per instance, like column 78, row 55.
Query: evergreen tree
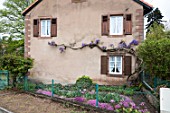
column 154, row 17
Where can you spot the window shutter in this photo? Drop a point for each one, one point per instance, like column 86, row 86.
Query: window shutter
column 105, row 25
column 104, row 65
column 128, row 24
column 127, row 65
column 36, row 28
column 54, row 27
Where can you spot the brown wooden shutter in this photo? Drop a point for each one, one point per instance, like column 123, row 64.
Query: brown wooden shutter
column 128, row 24
column 35, row 27
column 54, row 27
column 105, row 25
column 104, row 65
column 127, row 65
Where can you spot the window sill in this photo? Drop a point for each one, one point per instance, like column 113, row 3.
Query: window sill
column 115, row 75
column 44, row 37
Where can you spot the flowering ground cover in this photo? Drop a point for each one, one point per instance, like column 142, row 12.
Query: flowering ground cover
column 106, row 100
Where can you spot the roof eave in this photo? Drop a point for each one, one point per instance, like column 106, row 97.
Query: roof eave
column 31, row 7
column 147, row 8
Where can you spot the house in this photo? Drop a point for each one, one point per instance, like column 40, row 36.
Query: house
column 71, row 38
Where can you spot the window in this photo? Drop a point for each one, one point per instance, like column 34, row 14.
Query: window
column 116, row 25
column 45, row 28
column 115, row 65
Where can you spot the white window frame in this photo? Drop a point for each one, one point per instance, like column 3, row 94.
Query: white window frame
column 113, row 63
column 116, row 25
column 45, row 28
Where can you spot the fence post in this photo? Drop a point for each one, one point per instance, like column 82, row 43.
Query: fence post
column 25, row 83
column 97, row 98
column 52, row 88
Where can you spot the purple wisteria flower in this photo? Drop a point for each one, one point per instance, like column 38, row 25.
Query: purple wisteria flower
column 91, row 43
column 83, row 45
column 117, row 106
column 79, row 99
column 52, row 43
column 112, row 101
column 97, row 41
column 61, row 49
column 104, row 47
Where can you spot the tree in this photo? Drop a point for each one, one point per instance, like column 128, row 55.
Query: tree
column 154, row 17
column 156, row 32
column 17, row 65
column 155, row 52
column 12, row 22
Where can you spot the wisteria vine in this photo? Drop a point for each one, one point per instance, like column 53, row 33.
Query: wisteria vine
column 121, row 47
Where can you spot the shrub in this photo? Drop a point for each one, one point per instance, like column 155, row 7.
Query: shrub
column 84, row 82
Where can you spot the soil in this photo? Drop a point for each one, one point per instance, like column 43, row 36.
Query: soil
column 24, row 103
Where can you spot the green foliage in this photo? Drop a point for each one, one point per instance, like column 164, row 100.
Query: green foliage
column 154, row 17
column 156, row 56
column 12, row 22
column 156, row 32
column 17, row 65
column 84, row 82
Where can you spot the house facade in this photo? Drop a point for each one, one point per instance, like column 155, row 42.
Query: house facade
column 71, row 38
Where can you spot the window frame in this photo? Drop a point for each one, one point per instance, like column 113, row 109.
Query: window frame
column 112, row 74
column 115, row 64
column 46, row 26
column 37, row 34
column 116, row 15
column 108, row 34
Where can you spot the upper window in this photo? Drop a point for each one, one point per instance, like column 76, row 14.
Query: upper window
column 115, row 65
column 45, row 28
column 116, row 25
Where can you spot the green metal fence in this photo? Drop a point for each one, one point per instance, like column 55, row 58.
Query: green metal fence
column 4, row 79
column 100, row 93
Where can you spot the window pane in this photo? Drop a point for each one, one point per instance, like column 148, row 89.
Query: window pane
column 118, row 59
column 115, row 65
column 116, row 25
column 45, row 27
column 119, row 25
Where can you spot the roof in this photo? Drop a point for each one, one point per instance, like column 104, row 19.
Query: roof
column 147, row 7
